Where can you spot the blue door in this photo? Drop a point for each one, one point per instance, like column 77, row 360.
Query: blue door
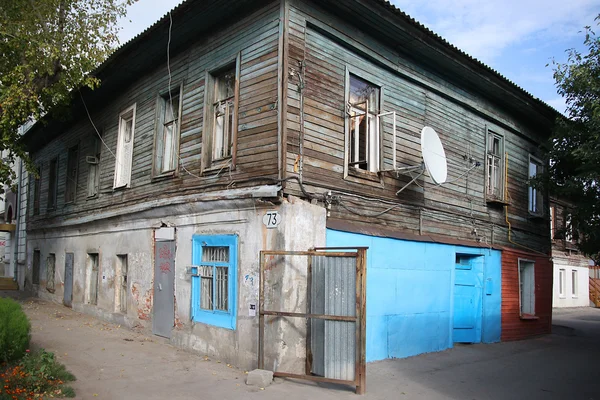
column 468, row 297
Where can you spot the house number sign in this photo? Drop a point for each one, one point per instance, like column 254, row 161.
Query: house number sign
column 272, row 219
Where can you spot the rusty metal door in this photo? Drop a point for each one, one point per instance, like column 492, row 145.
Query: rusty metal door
column 163, row 316
column 68, row 292
column 329, row 285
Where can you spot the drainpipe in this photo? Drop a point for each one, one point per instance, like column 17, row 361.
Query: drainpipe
column 17, row 221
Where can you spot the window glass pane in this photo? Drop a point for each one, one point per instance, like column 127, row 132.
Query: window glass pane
column 127, row 125
column 206, row 287
column 225, row 85
column 362, row 92
column 169, row 148
column 221, row 298
column 171, row 109
column 215, row 254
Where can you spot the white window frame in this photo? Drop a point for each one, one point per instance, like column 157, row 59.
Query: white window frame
column 526, row 282
column 124, row 156
column 160, row 143
column 535, row 199
column 373, row 145
column 213, row 158
column 574, row 283
column 562, row 282
column 492, row 171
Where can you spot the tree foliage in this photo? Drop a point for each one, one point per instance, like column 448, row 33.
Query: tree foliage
column 574, row 155
column 47, row 49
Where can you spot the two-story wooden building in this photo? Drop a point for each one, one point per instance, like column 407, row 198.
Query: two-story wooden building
column 150, row 205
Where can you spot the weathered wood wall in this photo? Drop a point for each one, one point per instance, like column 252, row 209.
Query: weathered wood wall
column 513, row 326
column 256, row 36
column 327, row 45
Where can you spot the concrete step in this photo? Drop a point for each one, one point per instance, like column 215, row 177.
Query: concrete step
column 8, row 284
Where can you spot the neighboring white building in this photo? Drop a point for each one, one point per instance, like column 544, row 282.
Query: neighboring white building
column 571, row 268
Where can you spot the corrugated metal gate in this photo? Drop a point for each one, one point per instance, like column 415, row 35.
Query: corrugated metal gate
column 329, row 284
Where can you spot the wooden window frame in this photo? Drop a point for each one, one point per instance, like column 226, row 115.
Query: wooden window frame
column 531, row 191
column 37, row 191
column 120, row 161
column 53, row 183
column 71, row 182
column 93, row 182
column 159, row 126
column 490, row 156
column 208, row 165
column 532, row 314
column 357, row 174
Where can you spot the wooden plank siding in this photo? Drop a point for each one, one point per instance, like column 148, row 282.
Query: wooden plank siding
column 327, row 45
column 513, row 326
column 255, row 37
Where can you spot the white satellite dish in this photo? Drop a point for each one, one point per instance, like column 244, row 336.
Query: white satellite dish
column 434, row 156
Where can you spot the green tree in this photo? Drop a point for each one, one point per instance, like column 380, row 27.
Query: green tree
column 47, row 49
column 574, row 155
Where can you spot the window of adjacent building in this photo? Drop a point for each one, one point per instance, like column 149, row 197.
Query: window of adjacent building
column 52, row 183
column 167, row 133
column 494, row 166
column 574, row 283
column 568, row 228
column 363, row 127
column 222, row 87
column 37, row 192
column 527, row 287
column 122, row 286
column 71, row 180
column 536, row 199
column 50, row 268
column 124, row 156
column 214, row 278
column 562, row 276
column 93, row 163
column 93, row 268
column 35, row 271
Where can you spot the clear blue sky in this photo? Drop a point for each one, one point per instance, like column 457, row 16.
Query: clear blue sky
column 515, row 37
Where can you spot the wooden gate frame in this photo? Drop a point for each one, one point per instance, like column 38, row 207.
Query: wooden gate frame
column 360, row 318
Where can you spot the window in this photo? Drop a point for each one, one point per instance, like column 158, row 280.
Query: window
column 71, row 180
column 574, row 283
column 568, row 228
column 562, row 276
column 167, row 133
column 363, row 124
column 37, row 184
column 125, row 148
column 92, row 268
column 527, row 287
column 52, row 183
column 214, row 277
column 536, row 199
column 494, row 166
column 552, row 222
column 93, row 163
column 122, row 287
column 220, row 133
column 50, row 267
column 35, row 272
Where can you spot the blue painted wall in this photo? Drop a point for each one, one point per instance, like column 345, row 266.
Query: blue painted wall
column 410, row 294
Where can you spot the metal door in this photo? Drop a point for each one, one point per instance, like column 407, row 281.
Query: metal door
column 164, row 288
column 68, row 293
column 468, row 297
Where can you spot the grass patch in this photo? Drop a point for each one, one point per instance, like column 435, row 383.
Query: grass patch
column 37, row 375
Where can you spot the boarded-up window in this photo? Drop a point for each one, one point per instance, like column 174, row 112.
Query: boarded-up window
column 92, row 268
column 362, row 109
column 52, row 183
column 125, row 142
column 37, row 184
column 527, row 287
column 122, row 286
column 71, row 179
column 35, row 273
column 167, row 134
column 50, row 268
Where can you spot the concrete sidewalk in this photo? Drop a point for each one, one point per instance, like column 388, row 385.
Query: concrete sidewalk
column 111, row 362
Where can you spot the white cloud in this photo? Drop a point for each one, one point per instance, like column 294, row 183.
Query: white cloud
column 485, row 29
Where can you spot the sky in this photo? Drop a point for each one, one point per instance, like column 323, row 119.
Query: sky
column 517, row 38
